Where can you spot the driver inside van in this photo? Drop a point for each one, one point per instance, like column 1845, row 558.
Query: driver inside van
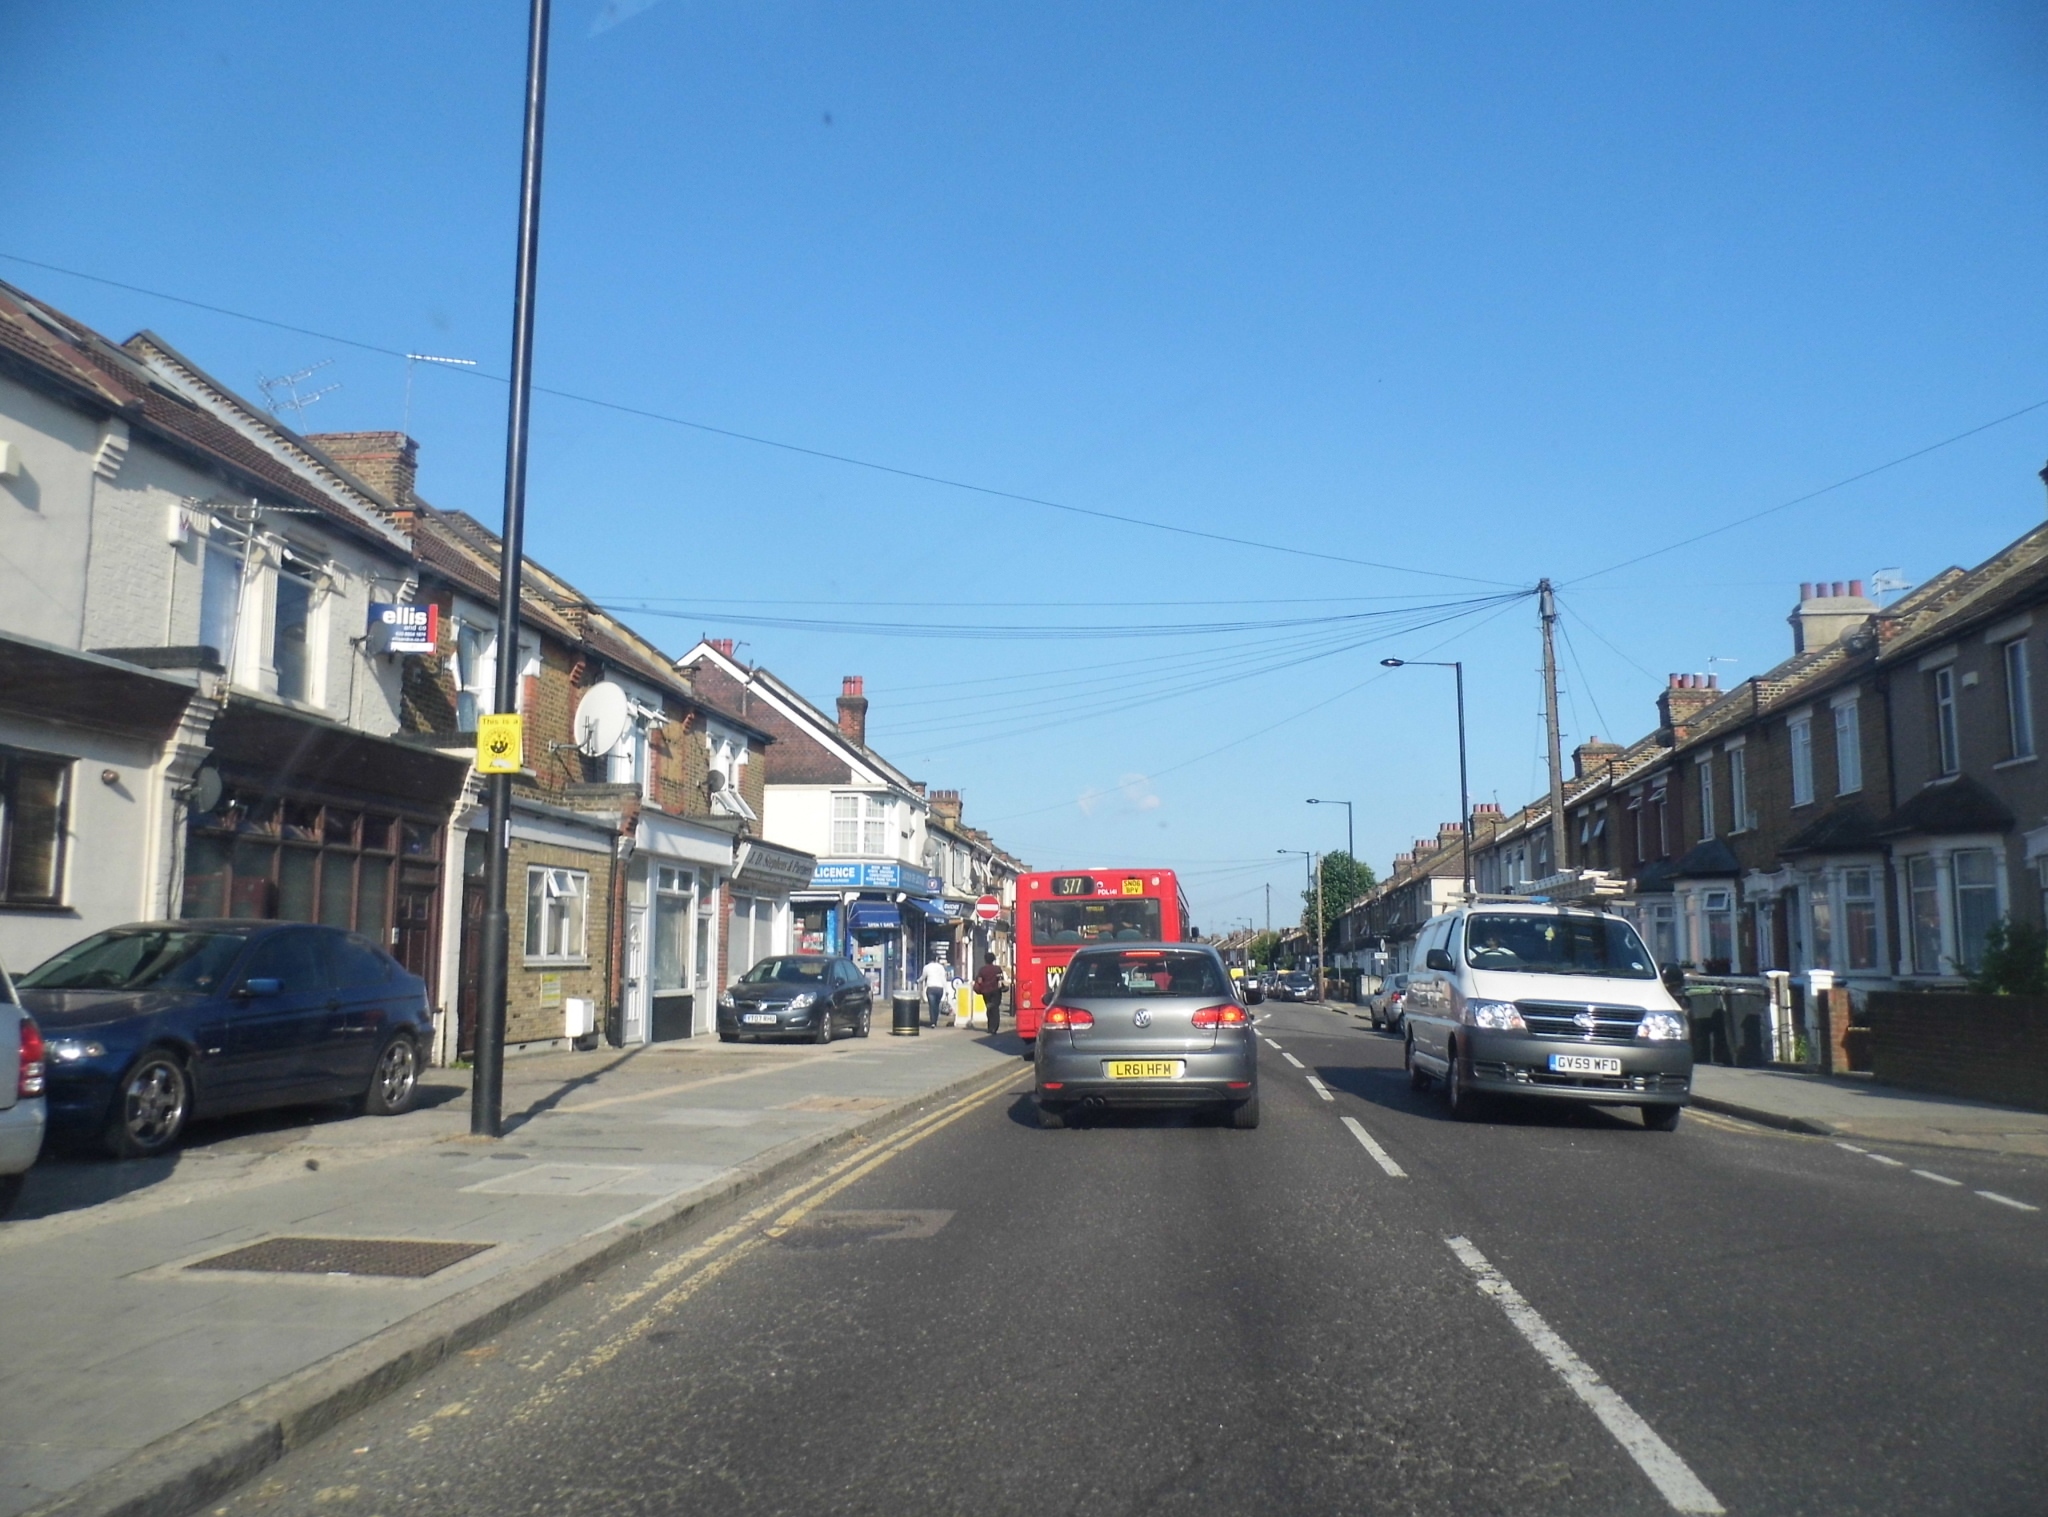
column 1488, row 951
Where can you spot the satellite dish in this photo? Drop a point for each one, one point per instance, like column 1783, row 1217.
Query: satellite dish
column 204, row 792
column 714, row 782
column 601, row 719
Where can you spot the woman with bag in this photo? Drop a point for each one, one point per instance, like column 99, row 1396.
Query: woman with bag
column 988, row 984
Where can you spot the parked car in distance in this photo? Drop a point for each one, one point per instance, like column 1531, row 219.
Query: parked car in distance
column 1383, row 1006
column 1295, row 986
column 22, row 1104
column 1146, row 1025
column 804, row 995
column 1556, row 1003
column 151, row 1025
column 1251, row 989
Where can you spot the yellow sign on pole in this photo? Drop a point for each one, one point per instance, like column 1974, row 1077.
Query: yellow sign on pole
column 500, row 744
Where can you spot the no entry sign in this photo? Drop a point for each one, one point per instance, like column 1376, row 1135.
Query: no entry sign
column 987, row 909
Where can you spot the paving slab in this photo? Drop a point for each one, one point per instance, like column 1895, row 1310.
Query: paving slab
column 1852, row 1107
column 117, row 1348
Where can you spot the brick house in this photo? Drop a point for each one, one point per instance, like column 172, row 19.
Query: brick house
column 637, row 875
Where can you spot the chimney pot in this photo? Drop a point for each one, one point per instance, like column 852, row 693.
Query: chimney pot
column 1806, row 589
column 1713, row 682
column 1856, row 588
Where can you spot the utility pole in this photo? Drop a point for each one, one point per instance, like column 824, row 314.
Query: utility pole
column 486, row 1101
column 1547, row 605
column 1464, row 795
column 1322, row 935
column 1269, row 905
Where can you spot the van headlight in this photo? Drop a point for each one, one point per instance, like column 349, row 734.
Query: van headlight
column 1500, row 1016
column 1661, row 1027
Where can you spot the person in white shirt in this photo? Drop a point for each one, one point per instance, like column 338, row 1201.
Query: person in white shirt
column 938, row 981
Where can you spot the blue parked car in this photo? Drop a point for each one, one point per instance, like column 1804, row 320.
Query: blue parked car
column 148, row 1026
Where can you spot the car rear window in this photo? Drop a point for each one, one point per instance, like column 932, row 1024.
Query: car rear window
column 1151, row 972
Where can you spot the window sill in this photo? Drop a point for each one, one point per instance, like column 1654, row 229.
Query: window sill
column 556, row 963
column 1857, row 791
column 40, row 908
column 2014, row 763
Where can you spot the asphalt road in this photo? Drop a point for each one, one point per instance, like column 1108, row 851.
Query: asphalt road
column 1549, row 1312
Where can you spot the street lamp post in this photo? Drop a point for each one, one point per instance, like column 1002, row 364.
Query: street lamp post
column 1464, row 798
column 1350, row 837
column 487, row 1085
column 1312, row 878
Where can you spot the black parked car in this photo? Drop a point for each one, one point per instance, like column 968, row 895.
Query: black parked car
column 805, row 995
column 150, row 1025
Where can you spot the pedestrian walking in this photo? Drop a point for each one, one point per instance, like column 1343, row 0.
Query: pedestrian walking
column 988, row 984
column 938, row 982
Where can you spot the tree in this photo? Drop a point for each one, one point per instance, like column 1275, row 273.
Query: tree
column 2015, row 961
column 1263, row 948
column 1345, row 879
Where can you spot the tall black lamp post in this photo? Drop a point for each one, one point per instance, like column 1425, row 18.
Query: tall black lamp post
column 1464, row 800
column 1350, row 837
column 486, row 1102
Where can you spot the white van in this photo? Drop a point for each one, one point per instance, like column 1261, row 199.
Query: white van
column 1559, row 1003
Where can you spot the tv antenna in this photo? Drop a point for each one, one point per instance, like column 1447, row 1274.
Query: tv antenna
column 282, row 393
column 412, row 360
column 1889, row 582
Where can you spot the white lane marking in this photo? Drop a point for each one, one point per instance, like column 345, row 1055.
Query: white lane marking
column 1380, row 1156
column 1270, row 1041
column 1992, row 1195
column 1670, row 1474
column 1851, row 1147
column 1321, row 1089
column 1928, row 1174
column 1290, row 1058
column 1881, row 1159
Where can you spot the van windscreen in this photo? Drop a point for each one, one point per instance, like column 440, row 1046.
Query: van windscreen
column 1545, row 944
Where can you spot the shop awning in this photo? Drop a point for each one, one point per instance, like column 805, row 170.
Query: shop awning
column 931, row 911
column 872, row 916
column 277, row 750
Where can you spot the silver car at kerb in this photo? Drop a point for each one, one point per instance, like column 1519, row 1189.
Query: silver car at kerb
column 1146, row 1024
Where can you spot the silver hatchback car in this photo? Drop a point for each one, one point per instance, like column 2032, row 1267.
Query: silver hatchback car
column 1146, row 1024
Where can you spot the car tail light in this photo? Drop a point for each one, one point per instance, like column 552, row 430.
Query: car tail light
column 31, row 1059
column 1220, row 1016
column 1068, row 1016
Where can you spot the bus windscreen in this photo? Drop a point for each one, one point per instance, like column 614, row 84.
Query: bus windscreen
column 1119, row 919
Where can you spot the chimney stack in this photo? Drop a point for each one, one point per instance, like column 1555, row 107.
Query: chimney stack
column 1683, row 698
column 1829, row 610
column 388, row 462
column 1590, row 755
column 853, row 710
column 946, row 805
column 722, row 644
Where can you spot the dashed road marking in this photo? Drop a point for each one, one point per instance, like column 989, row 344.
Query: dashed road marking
column 1928, row 1174
column 1672, row 1476
column 1321, row 1089
column 1271, row 1043
column 1380, row 1156
column 1851, row 1147
column 1881, row 1159
column 1992, row 1195
column 1290, row 1058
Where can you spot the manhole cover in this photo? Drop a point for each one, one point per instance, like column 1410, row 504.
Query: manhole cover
column 407, row 1258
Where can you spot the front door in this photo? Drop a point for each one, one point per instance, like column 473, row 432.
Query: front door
column 636, row 987
column 412, row 932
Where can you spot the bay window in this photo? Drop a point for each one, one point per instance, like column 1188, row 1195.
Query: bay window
column 1974, row 876
column 860, row 825
column 1859, row 919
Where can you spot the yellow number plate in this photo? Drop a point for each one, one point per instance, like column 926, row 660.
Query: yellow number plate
column 1143, row 1069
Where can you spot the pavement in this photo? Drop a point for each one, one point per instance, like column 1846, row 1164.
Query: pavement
column 137, row 1379
column 1854, row 1106
column 1362, row 1306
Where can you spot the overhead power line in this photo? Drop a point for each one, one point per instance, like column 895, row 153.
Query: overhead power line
column 826, row 455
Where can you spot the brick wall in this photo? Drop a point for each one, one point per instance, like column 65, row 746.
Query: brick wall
column 526, row 1019
column 1984, row 1048
column 795, row 758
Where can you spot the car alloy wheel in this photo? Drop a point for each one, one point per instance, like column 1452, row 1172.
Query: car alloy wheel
column 1418, row 1078
column 867, row 1015
column 150, row 1111
column 824, row 1032
column 396, row 1081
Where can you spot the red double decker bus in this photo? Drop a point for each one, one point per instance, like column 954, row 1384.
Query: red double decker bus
column 1058, row 912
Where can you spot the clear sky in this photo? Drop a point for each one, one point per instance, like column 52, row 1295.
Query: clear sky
column 1491, row 291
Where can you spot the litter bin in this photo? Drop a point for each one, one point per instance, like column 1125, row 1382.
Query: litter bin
column 903, row 1015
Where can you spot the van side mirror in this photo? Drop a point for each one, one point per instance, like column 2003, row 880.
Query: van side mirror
column 261, row 987
column 1438, row 958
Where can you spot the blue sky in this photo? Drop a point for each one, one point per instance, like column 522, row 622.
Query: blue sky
column 1493, row 291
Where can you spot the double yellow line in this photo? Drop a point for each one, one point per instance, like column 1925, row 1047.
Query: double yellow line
column 697, row 1266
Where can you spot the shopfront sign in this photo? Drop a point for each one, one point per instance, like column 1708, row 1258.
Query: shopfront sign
column 405, row 629
column 848, row 874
